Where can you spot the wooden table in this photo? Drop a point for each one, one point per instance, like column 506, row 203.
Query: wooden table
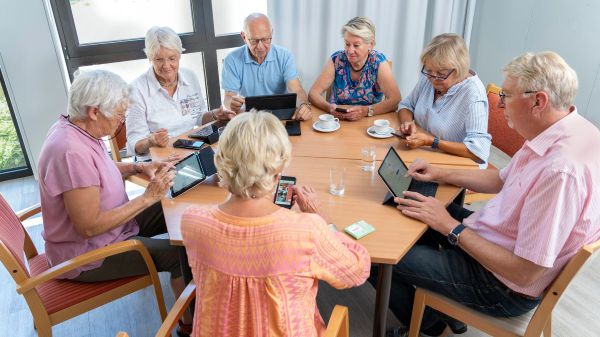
column 314, row 153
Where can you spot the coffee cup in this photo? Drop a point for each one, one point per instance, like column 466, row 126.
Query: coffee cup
column 381, row 126
column 327, row 121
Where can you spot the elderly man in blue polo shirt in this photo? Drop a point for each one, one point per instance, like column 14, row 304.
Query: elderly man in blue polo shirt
column 261, row 68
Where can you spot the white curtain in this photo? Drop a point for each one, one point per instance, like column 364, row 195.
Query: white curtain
column 311, row 29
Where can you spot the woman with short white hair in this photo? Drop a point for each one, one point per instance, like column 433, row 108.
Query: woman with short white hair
column 82, row 192
column 256, row 264
column 358, row 76
column 448, row 108
column 167, row 100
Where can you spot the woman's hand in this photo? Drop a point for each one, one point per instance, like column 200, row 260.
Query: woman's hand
column 159, row 184
column 150, row 168
column 408, row 128
column 356, row 112
column 308, row 201
column 159, row 138
column 419, row 139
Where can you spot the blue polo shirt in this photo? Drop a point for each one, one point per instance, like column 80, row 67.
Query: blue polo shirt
column 244, row 75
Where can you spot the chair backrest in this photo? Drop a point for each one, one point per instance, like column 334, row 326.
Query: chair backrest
column 557, row 288
column 13, row 238
column 504, row 138
column 117, row 143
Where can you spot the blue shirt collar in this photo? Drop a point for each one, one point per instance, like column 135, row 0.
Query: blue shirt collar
column 248, row 58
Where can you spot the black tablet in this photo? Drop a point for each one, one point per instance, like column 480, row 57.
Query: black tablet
column 189, row 174
column 393, row 173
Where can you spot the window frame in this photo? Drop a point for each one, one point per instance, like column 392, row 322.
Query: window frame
column 202, row 39
column 18, row 172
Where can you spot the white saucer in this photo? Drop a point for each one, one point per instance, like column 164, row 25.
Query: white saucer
column 317, row 127
column 371, row 132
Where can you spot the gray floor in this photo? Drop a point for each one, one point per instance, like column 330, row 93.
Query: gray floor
column 137, row 313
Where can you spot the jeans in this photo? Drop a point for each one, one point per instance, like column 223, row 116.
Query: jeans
column 433, row 264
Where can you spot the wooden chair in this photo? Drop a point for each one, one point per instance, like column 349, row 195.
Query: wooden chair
column 53, row 300
column 531, row 324
column 504, row 138
column 338, row 322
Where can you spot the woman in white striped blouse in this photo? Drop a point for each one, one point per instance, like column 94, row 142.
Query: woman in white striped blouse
column 448, row 108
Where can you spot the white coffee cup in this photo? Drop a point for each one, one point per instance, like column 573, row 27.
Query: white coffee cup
column 381, row 126
column 327, row 121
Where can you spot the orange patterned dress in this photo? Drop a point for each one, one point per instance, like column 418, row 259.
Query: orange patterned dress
column 258, row 276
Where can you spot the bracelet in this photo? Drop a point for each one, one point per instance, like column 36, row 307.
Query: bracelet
column 332, row 228
column 214, row 116
column 137, row 167
column 305, row 103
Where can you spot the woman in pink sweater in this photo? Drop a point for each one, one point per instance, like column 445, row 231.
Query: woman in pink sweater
column 257, row 265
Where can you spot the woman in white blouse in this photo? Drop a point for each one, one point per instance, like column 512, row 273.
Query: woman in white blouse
column 448, row 108
column 166, row 100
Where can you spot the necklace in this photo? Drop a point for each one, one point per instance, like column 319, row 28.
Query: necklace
column 361, row 68
column 168, row 85
column 84, row 131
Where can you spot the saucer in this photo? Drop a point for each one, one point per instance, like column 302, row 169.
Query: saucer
column 317, row 127
column 371, row 132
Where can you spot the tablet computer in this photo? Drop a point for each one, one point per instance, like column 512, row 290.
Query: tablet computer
column 189, row 174
column 393, row 173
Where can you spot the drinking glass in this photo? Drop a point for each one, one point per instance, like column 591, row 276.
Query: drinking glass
column 368, row 156
column 336, row 180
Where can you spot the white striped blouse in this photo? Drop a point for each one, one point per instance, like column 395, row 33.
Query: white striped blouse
column 461, row 115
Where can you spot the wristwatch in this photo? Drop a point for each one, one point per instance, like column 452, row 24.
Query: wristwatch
column 455, row 234
column 371, row 111
column 435, row 143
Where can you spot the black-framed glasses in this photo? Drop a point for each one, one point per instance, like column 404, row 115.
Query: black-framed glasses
column 503, row 95
column 265, row 41
column 436, row 77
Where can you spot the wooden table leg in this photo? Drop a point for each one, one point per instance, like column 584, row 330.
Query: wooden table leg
column 382, row 298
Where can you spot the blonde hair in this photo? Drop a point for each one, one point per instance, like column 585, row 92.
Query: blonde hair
column 545, row 71
column 253, row 149
column 448, row 51
column 362, row 27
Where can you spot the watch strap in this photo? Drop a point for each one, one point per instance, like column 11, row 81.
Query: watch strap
column 436, row 142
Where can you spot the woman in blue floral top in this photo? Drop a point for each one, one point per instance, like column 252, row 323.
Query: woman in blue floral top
column 358, row 76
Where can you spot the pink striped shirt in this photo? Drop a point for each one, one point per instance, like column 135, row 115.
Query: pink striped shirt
column 547, row 209
column 258, row 276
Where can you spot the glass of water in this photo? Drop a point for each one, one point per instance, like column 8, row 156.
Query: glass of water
column 368, row 156
column 336, row 181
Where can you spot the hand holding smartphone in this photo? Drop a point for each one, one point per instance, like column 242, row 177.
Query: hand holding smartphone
column 284, row 192
column 188, row 144
column 399, row 135
column 338, row 109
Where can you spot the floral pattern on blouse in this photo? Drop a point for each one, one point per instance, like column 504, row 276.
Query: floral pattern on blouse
column 345, row 91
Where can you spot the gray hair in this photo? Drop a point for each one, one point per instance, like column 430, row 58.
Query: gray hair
column 157, row 37
column 253, row 149
column 448, row 50
column 253, row 17
column 548, row 72
column 362, row 27
column 96, row 88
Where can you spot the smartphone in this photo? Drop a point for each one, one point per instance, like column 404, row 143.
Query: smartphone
column 399, row 135
column 341, row 109
column 188, row 144
column 293, row 128
column 283, row 195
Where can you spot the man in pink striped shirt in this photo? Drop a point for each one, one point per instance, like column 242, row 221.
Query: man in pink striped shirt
column 500, row 259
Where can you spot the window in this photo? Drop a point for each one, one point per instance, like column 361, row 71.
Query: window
column 110, row 34
column 13, row 161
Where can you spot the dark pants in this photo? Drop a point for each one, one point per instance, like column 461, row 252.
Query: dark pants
column 165, row 256
column 433, row 264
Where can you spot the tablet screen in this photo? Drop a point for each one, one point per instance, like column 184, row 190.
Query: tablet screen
column 392, row 171
column 189, row 173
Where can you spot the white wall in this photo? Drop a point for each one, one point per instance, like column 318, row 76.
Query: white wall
column 505, row 29
column 32, row 70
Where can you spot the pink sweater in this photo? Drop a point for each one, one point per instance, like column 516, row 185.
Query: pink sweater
column 258, row 276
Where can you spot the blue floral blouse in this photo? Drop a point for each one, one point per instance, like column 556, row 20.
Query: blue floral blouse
column 364, row 92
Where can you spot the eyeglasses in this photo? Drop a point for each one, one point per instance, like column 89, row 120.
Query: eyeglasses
column 170, row 60
column 436, row 77
column 265, row 41
column 503, row 95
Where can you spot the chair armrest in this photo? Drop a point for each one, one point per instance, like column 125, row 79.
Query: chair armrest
column 182, row 303
column 83, row 259
column 338, row 322
column 26, row 213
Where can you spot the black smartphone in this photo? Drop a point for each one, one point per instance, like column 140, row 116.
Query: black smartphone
column 293, row 128
column 399, row 135
column 341, row 109
column 188, row 144
column 283, row 195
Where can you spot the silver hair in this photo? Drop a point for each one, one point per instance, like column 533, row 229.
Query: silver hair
column 157, row 37
column 96, row 88
column 548, row 72
column 253, row 17
column 362, row 27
